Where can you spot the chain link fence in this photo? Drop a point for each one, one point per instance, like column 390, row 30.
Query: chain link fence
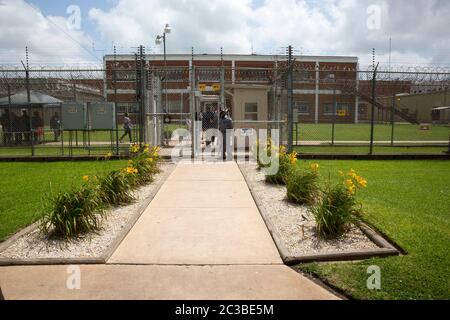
column 318, row 109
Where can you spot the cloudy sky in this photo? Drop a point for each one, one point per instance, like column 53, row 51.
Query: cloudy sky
column 81, row 31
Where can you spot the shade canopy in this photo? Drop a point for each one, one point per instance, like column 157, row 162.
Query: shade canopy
column 21, row 98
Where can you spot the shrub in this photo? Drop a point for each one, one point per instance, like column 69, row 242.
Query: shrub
column 302, row 186
column 146, row 163
column 286, row 165
column 115, row 188
column 266, row 149
column 69, row 214
column 338, row 207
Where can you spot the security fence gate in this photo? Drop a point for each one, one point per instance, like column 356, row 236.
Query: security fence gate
column 316, row 108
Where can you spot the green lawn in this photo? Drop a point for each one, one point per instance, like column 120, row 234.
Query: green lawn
column 409, row 201
column 366, row 149
column 23, row 186
column 361, row 132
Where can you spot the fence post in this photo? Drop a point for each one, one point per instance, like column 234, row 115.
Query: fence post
column 114, row 75
column 30, row 123
column 334, row 115
column 290, row 92
column 394, row 98
column 372, row 121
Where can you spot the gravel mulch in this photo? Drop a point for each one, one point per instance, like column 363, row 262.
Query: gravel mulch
column 34, row 245
column 293, row 224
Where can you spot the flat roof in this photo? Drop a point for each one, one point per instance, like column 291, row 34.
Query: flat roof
column 231, row 57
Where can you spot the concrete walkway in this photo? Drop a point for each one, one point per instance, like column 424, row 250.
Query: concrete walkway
column 202, row 237
column 203, row 215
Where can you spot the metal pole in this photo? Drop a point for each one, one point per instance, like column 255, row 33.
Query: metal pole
column 372, row 123
column 394, row 98
column 333, row 116
column 290, row 99
column 115, row 98
column 9, row 138
column 31, row 135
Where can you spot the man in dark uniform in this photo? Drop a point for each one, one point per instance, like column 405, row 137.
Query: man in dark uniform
column 209, row 121
column 55, row 125
column 6, row 124
column 225, row 124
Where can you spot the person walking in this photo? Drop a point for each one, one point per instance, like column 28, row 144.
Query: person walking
column 127, row 127
column 225, row 124
column 55, row 125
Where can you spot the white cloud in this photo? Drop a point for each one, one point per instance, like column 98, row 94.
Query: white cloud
column 49, row 38
column 418, row 28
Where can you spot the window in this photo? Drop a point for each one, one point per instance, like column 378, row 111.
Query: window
column 342, row 109
column 174, row 106
column 129, row 107
column 302, row 76
column 125, row 75
column 251, row 111
column 328, row 108
column 302, row 108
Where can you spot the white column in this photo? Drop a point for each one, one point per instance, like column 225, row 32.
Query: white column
column 233, row 72
column 316, row 108
column 356, row 96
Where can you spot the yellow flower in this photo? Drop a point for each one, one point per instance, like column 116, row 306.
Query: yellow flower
column 282, row 149
column 108, row 155
column 352, row 174
column 314, row 167
column 130, row 162
column 130, row 170
column 363, row 183
column 349, row 183
column 293, row 158
column 341, row 173
column 86, row 178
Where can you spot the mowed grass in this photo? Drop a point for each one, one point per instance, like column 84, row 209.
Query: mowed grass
column 361, row 132
column 366, row 150
column 23, row 186
column 409, row 201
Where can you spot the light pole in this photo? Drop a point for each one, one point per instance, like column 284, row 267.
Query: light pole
column 167, row 30
column 331, row 77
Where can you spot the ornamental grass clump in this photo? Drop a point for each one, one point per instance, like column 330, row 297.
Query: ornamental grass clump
column 338, row 207
column 264, row 149
column 302, row 185
column 146, row 163
column 286, row 164
column 115, row 188
column 69, row 214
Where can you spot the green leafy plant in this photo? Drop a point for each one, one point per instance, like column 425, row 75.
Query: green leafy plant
column 302, row 185
column 338, row 206
column 265, row 149
column 69, row 214
column 286, row 165
column 116, row 188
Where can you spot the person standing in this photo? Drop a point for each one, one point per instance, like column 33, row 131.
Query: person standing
column 6, row 124
column 24, row 128
column 209, row 121
column 55, row 125
column 225, row 124
column 37, row 124
column 127, row 127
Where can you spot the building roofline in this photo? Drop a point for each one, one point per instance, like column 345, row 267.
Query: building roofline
column 235, row 57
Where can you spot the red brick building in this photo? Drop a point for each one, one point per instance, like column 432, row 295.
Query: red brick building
column 319, row 83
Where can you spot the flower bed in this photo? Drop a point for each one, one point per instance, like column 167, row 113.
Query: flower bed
column 293, row 224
